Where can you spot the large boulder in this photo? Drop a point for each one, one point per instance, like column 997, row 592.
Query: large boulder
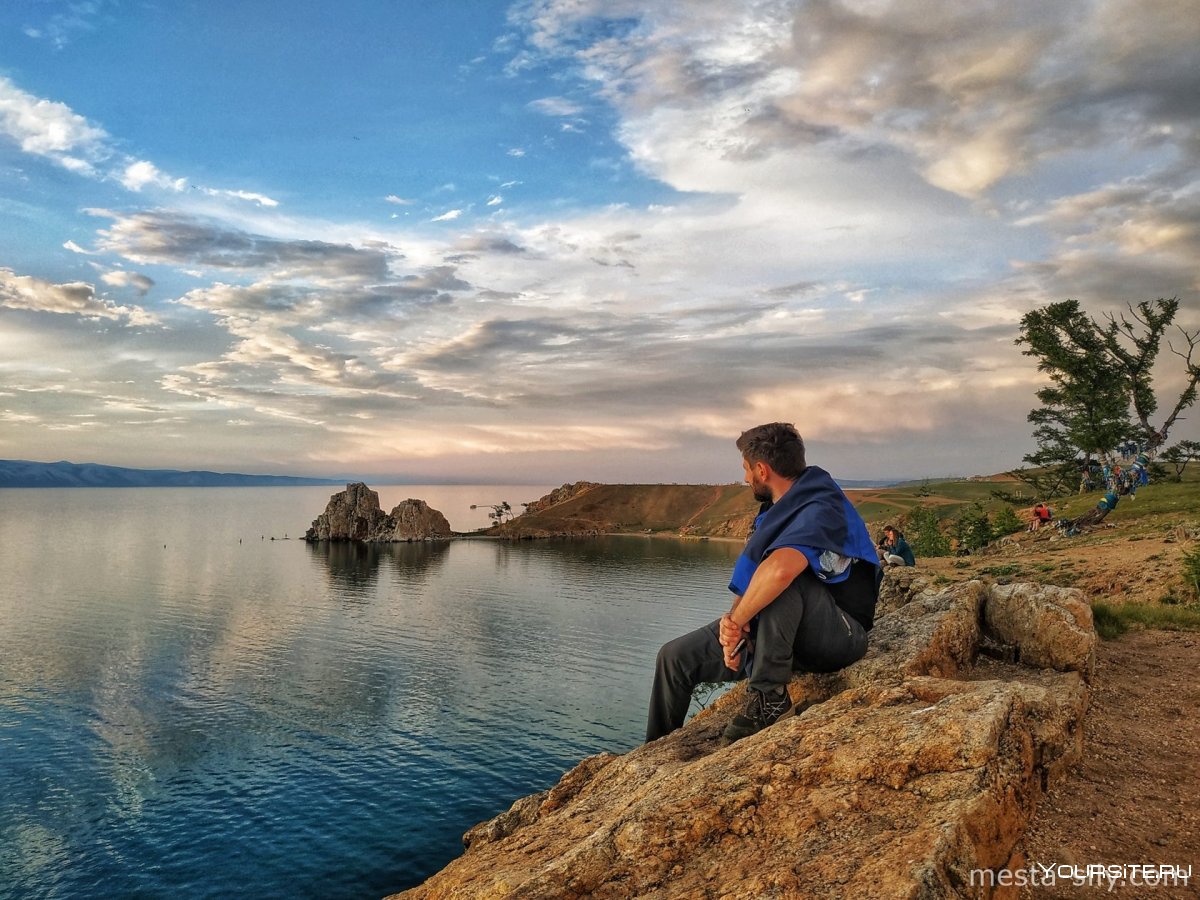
column 355, row 515
column 1048, row 627
column 912, row 774
column 415, row 520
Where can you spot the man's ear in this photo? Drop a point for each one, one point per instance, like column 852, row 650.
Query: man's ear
column 763, row 471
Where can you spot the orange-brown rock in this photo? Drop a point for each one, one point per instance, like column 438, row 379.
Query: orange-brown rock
column 912, row 772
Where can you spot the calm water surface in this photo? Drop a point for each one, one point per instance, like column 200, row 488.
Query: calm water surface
column 187, row 706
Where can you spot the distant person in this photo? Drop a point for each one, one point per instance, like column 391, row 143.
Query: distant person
column 1141, row 468
column 804, row 590
column 894, row 549
column 1042, row 514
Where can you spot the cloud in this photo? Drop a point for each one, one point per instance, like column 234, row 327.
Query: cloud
column 162, row 236
column 140, row 174
column 62, row 27
column 121, row 278
column 969, row 94
column 75, row 298
column 52, row 130
column 249, row 196
column 516, row 151
column 49, row 129
column 851, row 204
column 75, row 248
column 555, row 106
column 488, row 243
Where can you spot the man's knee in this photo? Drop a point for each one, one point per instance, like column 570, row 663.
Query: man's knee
column 688, row 653
column 671, row 654
column 667, row 661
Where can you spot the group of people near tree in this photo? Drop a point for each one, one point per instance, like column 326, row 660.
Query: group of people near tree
column 1042, row 515
column 1123, row 475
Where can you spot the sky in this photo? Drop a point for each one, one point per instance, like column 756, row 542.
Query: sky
column 554, row 240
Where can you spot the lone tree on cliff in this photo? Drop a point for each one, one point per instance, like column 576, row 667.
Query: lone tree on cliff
column 499, row 511
column 1101, row 390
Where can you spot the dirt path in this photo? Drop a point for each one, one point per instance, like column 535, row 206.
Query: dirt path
column 1135, row 798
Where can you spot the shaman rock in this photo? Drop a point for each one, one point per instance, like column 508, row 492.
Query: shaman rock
column 415, row 520
column 355, row 515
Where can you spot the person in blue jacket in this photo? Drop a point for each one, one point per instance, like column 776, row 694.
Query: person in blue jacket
column 805, row 588
column 894, row 548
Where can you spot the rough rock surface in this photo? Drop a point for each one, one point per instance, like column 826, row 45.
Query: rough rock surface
column 1048, row 627
column 896, row 778
column 355, row 515
column 416, row 520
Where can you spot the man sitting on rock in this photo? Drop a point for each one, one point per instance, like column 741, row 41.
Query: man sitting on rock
column 805, row 589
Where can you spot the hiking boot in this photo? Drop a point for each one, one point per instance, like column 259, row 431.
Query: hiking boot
column 761, row 710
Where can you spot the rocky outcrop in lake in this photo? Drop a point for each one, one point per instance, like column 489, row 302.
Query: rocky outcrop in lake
column 355, row 515
column 912, row 773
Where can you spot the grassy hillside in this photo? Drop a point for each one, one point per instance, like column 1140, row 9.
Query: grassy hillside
column 950, row 497
column 700, row 509
column 727, row 510
column 724, row 510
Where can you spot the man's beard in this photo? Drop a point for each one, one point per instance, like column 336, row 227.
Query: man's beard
column 761, row 493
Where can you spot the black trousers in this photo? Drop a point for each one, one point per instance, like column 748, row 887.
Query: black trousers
column 803, row 629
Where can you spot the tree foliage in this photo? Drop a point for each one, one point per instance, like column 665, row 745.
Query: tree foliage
column 500, row 512
column 1005, row 522
column 1101, row 389
column 1134, row 346
column 1046, row 482
column 972, row 528
column 1180, row 455
column 1085, row 408
column 923, row 531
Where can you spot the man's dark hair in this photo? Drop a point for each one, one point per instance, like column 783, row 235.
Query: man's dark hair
column 778, row 444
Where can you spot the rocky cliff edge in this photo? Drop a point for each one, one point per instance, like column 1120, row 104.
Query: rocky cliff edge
column 911, row 774
column 355, row 515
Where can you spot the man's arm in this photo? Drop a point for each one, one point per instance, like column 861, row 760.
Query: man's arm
column 770, row 579
column 772, row 576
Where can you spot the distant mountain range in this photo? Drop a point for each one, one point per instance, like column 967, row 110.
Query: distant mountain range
column 23, row 473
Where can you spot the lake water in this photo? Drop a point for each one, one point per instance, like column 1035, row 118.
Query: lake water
column 188, row 707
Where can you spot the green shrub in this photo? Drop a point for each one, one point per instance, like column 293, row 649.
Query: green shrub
column 923, row 531
column 1109, row 625
column 999, row 571
column 1006, row 522
column 973, row 528
column 1191, row 570
column 1114, row 619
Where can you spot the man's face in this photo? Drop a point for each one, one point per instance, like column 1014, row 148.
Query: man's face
column 761, row 492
